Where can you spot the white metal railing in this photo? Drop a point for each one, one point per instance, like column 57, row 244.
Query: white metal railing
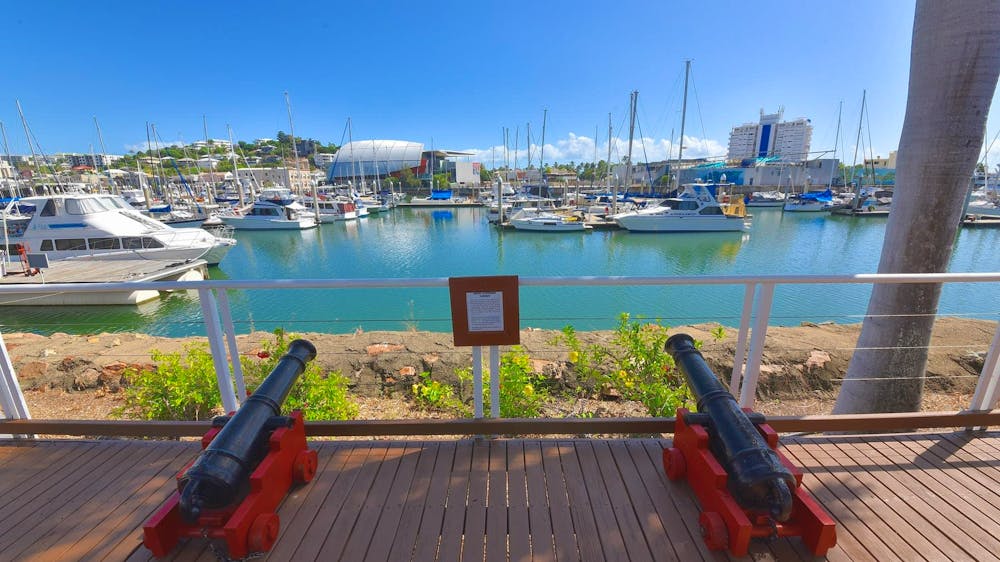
column 757, row 301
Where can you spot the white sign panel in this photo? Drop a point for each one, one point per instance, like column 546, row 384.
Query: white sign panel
column 485, row 311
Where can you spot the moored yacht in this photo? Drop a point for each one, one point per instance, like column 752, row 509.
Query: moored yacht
column 533, row 218
column 265, row 215
column 695, row 209
column 103, row 227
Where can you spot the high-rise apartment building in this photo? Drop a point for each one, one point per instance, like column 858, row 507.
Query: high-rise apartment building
column 771, row 137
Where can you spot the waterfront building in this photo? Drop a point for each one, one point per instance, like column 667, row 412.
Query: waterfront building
column 817, row 173
column 323, row 160
column 6, row 170
column 771, row 137
column 93, row 160
column 370, row 158
column 296, row 180
column 879, row 162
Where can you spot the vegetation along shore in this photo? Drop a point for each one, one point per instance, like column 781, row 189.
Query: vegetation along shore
column 391, row 375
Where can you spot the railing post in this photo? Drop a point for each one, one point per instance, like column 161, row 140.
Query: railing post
column 477, row 382
column 741, row 339
column 210, row 312
column 234, row 352
column 11, row 397
column 494, row 381
column 748, row 390
column 988, row 387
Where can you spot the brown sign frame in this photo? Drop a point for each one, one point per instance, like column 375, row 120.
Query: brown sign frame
column 504, row 286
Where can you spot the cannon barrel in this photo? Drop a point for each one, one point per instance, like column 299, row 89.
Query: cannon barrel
column 220, row 475
column 758, row 481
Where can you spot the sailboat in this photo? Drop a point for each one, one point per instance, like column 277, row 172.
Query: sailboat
column 695, row 209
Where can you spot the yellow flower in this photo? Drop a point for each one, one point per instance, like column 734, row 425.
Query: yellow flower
column 574, row 356
column 528, row 389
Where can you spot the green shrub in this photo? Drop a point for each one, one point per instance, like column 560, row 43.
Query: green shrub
column 430, row 394
column 634, row 364
column 178, row 389
column 185, row 388
column 522, row 393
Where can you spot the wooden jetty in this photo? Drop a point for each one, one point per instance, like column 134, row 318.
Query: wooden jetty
column 95, row 271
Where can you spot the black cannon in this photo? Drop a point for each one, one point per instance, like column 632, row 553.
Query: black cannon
column 757, row 479
column 221, row 474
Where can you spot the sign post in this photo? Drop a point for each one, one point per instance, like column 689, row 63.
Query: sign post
column 485, row 311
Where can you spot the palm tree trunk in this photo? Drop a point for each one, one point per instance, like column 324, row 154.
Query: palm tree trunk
column 954, row 66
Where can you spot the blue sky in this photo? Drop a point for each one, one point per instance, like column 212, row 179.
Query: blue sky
column 452, row 73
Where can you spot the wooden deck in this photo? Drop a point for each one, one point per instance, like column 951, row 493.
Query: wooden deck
column 927, row 496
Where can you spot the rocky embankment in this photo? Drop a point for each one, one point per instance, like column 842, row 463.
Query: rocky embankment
column 800, row 363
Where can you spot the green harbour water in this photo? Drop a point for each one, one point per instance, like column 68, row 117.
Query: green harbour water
column 416, row 243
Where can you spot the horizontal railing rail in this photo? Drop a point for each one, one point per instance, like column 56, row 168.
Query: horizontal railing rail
column 510, row 426
column 754, row 320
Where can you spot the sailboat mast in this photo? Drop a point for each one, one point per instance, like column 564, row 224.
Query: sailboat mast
column 607, row 175
column 541, row 152
column 633, row 101
column 836, row 141
column 211, row 189
column 527, row 137
column 350, row 142
column 104, row 157
column 517, row 137
column 857, row 142
column 27, row 135
column 6, row 151
column 684, row 108
column 236, row 172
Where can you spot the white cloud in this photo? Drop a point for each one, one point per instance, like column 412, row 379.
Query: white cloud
column 146, row 145
column 578, row 148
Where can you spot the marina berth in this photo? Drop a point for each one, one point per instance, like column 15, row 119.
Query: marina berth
column 695, row 209
column 102, row 227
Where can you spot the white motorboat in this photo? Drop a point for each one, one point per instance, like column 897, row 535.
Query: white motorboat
column 102, row 227
column 765, row 199
column 332, row 209
column 533, row 218
column 265, row 215
column 695, row 209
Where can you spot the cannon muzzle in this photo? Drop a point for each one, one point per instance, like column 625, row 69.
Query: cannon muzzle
column 758, row 481
column 220, row 476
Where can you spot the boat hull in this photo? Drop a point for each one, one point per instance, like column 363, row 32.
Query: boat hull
column 641, row 223
column 549, row 226
column 243, row 223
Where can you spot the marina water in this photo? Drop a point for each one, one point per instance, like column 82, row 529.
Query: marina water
column 411, row 243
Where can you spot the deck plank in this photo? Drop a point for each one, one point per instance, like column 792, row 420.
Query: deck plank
column 518, row 526
column 475, row 510
column 928, row 514
column 588, row 537
column 327, row 509
column 63, row 531
column 853, row 537
column 377, row 512
column 412, row 465
column 548, row 510
column 413, row 506
column 449, row 546
column 432, row 516
column 496, row 504
column 897, row 497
